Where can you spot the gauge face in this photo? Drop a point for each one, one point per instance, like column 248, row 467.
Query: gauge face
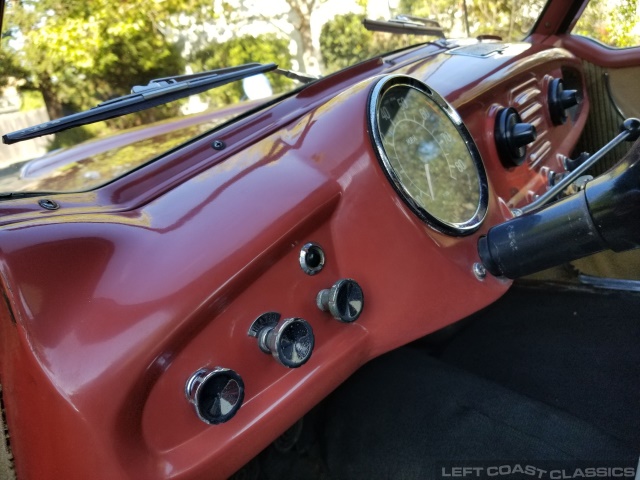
column 428, row 155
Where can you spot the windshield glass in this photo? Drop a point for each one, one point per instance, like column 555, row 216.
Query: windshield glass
column 60, row 58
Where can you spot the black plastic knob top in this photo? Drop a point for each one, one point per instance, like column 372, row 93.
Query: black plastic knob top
column 632, row 126
column 522, row 134
column 560, row 100
column 568, row 98
column 344, row 300
column 512, row 137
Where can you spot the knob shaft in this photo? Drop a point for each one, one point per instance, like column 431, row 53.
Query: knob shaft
column 290, row 342
column 344, row 300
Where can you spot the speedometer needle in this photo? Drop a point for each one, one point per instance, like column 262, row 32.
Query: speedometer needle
column 426, row 170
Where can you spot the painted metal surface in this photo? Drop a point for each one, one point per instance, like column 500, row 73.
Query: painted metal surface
column 115, row 299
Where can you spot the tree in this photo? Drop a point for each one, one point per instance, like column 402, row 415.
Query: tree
column 510, row 19
column 344, row 41
column 299, row 16
column 9, row 66
column 291, row 19
column 446, row 12
column 238, row 50
column 78, row 53
column 613, row 25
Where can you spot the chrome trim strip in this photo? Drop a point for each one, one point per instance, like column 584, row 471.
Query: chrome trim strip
column 610, row 283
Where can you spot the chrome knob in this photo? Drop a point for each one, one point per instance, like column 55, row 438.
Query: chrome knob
column 344, row 300
column 216, row 394
column 290, row 342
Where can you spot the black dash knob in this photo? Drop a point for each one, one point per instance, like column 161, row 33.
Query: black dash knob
column 216, row 394
column 344, row 300
column 522, row 134
column 512, row 137
column 560, row 100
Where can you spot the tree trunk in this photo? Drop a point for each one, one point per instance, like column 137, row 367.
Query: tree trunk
column 54, row 106
column 300, row 18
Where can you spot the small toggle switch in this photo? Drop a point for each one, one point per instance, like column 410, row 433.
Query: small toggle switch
column 344, row 300
column 290, row 342
column 216, row 394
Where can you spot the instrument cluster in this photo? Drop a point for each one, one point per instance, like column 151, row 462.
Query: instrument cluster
column 428, row 154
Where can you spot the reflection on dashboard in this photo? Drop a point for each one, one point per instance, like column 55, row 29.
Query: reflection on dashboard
column 428, row 154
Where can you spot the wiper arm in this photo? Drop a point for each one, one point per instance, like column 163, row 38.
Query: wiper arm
column 299, row 77
column 157, row 92
column 405, row 24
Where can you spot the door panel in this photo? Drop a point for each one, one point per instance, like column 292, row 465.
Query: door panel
column 604, row 120
column 623, row 84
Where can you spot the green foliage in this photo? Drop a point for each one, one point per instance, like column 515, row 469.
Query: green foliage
column 344, row 41
column 616, row 26
column 238, row 50
column 9, row 64
column 510, row 19
column 82, row 52
column 443, row 11
column 31, row 100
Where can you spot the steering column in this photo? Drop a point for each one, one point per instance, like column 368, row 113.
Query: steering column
column 604, row 215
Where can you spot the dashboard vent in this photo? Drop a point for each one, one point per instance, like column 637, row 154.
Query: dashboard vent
column 528, row 100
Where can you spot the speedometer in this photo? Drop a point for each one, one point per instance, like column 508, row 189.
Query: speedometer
column 428, row 155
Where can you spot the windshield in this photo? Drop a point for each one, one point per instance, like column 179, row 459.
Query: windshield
column 61, row 58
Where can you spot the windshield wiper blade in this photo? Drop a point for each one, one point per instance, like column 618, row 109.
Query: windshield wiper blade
column 157, row 92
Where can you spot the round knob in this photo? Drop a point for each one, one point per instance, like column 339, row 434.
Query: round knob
column 344, row 300
column 290, row 342
column 560, row 100
column 216, row 394
column 632, row 126
column 513, row 136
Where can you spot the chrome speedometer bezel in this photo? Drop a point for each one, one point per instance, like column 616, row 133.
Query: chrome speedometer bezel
column 451, row 228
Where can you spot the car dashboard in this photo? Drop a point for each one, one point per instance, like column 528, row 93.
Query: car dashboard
column 121, row 304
